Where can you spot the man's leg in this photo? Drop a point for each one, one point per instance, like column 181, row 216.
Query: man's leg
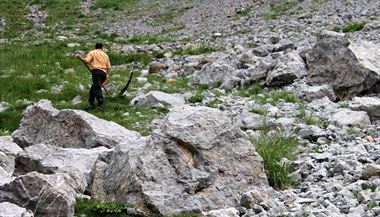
column 100, row 78
column 91, row 98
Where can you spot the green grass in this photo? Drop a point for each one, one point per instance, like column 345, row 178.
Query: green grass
column 280, row 9
column 14, row 13
column 95, row 208
column 249, row 90
column 197, row 50
column 4, row 132
column 273, row 148
column 196, row 98
column 168, row 16
column 64, row 11
column 258, row 111
column 148, row 39
column 351, row 27
column 115, row 5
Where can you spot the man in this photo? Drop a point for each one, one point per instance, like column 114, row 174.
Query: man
column 100, row 64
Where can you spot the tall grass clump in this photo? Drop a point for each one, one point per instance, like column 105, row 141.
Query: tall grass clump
column 351, row 27
column 273, row 148
column 279, row 9
column 197, row 50
column 115, row 5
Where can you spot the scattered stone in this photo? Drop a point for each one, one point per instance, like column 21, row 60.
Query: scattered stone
column 51, row 159
column 229, row 212
column 12, row 210
column 42, row 123
column 289, row 68
column 154, row 98
column 3, row 106
column 371, row 170
column 8, row 146
column 369, row 104
column 45, row 195
column 76, row 100
column 156, row 67
column 349, row 67
column 346, row 117
column 71, row 45
column 311, row 93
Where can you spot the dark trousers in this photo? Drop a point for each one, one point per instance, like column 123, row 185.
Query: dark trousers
column 98, row 77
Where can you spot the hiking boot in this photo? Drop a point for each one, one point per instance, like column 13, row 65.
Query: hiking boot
column 90, row 107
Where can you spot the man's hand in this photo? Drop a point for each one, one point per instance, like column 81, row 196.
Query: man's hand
column 77, row 55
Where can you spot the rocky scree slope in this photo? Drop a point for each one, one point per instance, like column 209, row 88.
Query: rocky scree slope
column 199, row 159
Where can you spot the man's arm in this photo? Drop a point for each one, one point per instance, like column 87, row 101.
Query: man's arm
column 86, row 60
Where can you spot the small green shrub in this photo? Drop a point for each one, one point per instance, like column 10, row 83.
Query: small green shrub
column 4, row 132
column 91, row 207
column 196, row 98
column 146, row 39
column 213, row 103
column 372, row 204
column 258, row 111
column 273, row 148
column 280, row 9
column 197, row 50
column 115, row 5
column 351, row 27
column 250, row 90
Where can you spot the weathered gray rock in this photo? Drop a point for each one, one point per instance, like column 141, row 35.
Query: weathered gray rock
column 52, row 159
column 154, row 98
column 7, row 163
column 311, row 93
column 213, row 73
column 260, row 69
column 3, row 105
column 42, row 123
column 12, row 210
column 199, row 161
column 350, row 68
column 347, row 117
column 289, row 67
column 369, row 104
column 249, row 120
column 371, row 170
column 8, row 146
column 229, row 212
column 45, row 195
column 156, row 67
column 253, row 197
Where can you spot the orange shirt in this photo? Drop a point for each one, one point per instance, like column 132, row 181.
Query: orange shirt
column 98, row 60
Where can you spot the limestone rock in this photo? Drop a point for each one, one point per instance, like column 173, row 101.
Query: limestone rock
column 249, row 120
column 12, row 210
column 229, row 212
column 3, row 106
column 8, row 146
column 42, row 123
column 290, row 67
column 154, row 98
column 198, row 161
column 156, row 67
column 311, row 93
column 369, row 104
column 371, row 170
column 45, row 195
column 51, row 159
column 347, row 117
column 350, row 68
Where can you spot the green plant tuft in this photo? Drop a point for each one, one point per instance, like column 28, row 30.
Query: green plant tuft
column 197, row 50
column 351, row 27
column 273, row 148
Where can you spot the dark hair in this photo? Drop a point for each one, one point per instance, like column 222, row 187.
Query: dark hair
column 98, row 46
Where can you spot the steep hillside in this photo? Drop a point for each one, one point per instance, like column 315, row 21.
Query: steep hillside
column 235, row 108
